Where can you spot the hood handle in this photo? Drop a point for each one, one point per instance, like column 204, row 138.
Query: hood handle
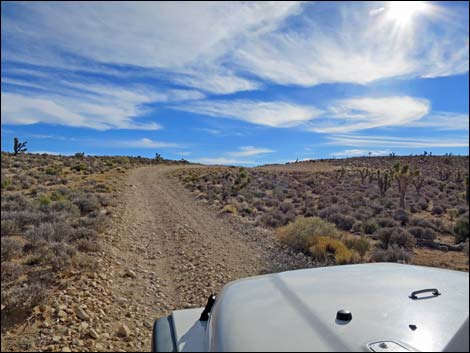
column 434, row 291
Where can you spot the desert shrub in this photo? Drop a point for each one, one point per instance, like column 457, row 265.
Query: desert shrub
column 357, row 227
column 52, row 170
column 230, row 208
column 423, row 205
column 50, row 232
column 11, row 248
column 78, row 167
column 25, row 297
column 86, row 203
column 8, row 227
column 327, row 249
column 386, row 222
column 44, row 200
column 60, row 255
column 360, row 244
column 6, row 182
column 401, row 216
column 393, row 253
column 369, row 227
column 301, row 234
column 85, row 245
column 84, row 233
column 461, row 229
column 396, row 236
column 10, row 271
column 437, row 210
column 286, row 207
column 343, row 222
column 422, row 233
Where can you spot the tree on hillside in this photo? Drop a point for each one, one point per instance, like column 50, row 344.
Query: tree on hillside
column 19, row 147
column 404, row 177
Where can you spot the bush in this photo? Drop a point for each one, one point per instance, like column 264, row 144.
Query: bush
column 396, row 236
column 357, row 227
column 230, row 208
column 369, row 227
column 327, row 249
column 10, row 249
column 437, row 210
column 461, row 229
column 8, row 227
column 86, row 203
column 386, row 222
column 52, row 170
column 393, row 253
column 359, row 244
column 343, row 222
column 301, row 234
column 401, row 216
column 422, row 233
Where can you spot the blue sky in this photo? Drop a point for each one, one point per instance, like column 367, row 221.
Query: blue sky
column 236, row 83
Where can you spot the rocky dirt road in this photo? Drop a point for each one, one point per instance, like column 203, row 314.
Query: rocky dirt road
column 163, row 250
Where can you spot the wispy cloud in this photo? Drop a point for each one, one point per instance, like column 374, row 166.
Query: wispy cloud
column 443, row 121
column 273, row 114
column 365, row 113
column 94, row 104
column 147, row 143
column 247, row 151
column 358, row 152
column 223, row 161
column 397, row 141
column 358, row 45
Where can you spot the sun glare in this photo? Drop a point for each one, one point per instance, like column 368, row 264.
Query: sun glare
column 403, row 11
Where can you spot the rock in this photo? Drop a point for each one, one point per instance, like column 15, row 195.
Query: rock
column 83, row 326
column 99, row 347
column 81, row 314
column 56, row 339
column 62, row 314
column 130, row 273
column 93, row 334
column 66, row 349
column 123, row 331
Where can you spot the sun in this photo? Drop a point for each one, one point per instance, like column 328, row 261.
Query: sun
column 403, row 11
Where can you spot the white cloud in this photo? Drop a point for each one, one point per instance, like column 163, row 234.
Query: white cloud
column 273, row 114
column 247, row 151
column 397, row 141
column 218, row 83
column 94, row 104
column 357, row 152
column 20, row 109
column 443, row 121
column 223, row 161
column 359, row 45
column 196, row 42
column 365, row 113
column 147, row 143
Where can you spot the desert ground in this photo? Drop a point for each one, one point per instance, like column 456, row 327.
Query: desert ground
column 95, row 248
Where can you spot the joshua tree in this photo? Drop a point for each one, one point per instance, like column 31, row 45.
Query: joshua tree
column 158, row 158
column 384, row 181
column 444, row 174
column 403, row 176
column 19, row 147
column 459, row 176
column 418, row 180
column 340, row 174
column 364, row 172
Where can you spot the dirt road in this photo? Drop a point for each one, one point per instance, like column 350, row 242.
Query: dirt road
column 170, row 252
